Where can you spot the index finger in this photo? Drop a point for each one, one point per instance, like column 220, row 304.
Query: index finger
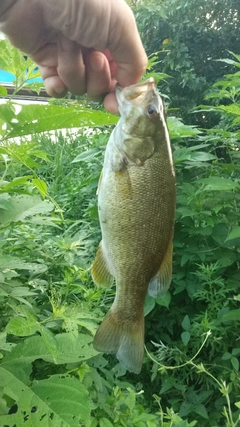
column 125, row 46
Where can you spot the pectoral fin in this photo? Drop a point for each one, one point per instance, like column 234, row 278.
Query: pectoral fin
column 161, row 282
column 100, row 272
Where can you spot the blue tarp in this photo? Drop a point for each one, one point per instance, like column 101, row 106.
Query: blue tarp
column 6, row 77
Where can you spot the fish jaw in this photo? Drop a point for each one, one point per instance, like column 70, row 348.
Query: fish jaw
column 140, row 107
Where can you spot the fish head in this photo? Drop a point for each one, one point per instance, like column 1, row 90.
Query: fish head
column 141, row 108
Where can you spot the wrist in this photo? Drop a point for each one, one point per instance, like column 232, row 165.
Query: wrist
column 5, row 5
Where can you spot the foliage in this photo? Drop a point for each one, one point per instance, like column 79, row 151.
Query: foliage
column 50, row 373
column 188, row 39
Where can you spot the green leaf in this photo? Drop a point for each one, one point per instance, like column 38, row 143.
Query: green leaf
column 186, row 323
column 104, row 422
column 56, row 402
column 21, row 326
column 185, row 337
column 3, row 91
column 235, row 363
column 59, row 349
column 41, row 186
column 231, row 316
column 11, row 263
column 218, row 184
column 178, row 130
column 234, row 234
column 226, row 356
column 164, row 300
column 87, row 155
column 149, row 304
column 23, row 207
column 37, row 118
column 201, row 410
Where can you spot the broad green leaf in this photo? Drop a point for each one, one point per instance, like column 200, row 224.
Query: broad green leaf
column 200, row 409
column 3, row 91
column 15, row 183
column 41, row 185
column 231, row 316
column 104, row 422
column 235, row 363
column 149, row 304
column 231, row 109
column 37, row 118
column 87, row 155
column 8, row 262
column 185, row 337
column 186, row 323
column 21, row 326
column 218, row 184
column 164, row 300
column 58, row 401
column 178, row 130
column 23, row 207
column 59, row 349
column 234, row 234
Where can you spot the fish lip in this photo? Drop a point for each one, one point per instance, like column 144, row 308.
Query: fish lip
column 134, row 91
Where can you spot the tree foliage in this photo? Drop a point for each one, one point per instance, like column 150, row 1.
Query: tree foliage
column 189, row 38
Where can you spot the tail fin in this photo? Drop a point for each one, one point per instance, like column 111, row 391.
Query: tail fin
column 124, row 338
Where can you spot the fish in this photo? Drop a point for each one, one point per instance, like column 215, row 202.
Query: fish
column 136, row 206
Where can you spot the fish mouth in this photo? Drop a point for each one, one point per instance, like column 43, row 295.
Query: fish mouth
column 134, row 91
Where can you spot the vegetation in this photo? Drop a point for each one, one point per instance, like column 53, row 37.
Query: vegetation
column 49, row 233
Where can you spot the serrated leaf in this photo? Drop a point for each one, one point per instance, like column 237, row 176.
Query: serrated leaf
column 23, row 207
column 37, row 118
column 54, row 402
column 59, row 349
column 13, row 263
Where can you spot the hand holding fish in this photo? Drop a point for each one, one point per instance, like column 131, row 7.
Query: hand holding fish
column 84, row 46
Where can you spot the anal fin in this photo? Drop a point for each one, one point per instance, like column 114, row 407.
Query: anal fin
column 160, row 283
column 100, row 272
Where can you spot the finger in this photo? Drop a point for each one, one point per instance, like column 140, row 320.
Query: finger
column 53, row 83
column 98, row 75
column 71, row 68
column 46, row 58
column 110, row 103
column 126, row 48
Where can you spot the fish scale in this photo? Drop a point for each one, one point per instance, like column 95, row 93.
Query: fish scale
column 136, row 200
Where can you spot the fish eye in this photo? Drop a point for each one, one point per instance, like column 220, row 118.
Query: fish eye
column 152, row 112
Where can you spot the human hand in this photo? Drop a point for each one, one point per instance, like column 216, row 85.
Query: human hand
column 84, row 46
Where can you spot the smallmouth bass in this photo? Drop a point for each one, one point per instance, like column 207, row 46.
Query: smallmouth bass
column 136, row 204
